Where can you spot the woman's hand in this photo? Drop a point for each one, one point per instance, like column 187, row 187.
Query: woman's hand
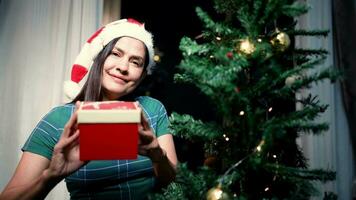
column 65, row 159
column 160, row 150
column 35, row 175
column 148, row 143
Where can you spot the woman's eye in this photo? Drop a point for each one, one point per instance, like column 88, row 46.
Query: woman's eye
column 115, row 53
column 136, row 63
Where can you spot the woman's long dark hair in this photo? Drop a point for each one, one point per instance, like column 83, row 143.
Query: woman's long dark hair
column 92, row 90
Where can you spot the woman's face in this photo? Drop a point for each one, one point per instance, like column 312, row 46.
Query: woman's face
column 123, row 69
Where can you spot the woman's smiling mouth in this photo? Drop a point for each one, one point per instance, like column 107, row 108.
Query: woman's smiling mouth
column 117, row 79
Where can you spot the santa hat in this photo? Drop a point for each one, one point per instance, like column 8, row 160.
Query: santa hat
column 92, row 47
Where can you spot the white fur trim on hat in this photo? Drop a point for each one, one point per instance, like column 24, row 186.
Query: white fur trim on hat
column 96, row 43
column 71, row 89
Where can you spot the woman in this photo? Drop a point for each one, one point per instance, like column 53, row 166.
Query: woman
column 118, row 56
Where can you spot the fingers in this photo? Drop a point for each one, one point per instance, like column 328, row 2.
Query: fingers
column 146, row 137
column 72, row 140
column 77, row 105
column 71, row 125
column 71, row 132
column 144, row 122
column 147, row 142
column 143, row 149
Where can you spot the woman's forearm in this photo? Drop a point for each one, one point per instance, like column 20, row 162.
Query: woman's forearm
column 164, row 170
column 37, row 189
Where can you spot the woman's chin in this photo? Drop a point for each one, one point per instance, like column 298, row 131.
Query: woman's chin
column 114, row 94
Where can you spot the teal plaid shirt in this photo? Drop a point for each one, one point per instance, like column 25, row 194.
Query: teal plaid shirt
column 109, row 179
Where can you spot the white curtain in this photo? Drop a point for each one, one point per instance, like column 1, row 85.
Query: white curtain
column 333, row 149
column 39, row 40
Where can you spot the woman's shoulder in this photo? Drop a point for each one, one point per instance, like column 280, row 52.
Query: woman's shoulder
column 64, row 108
column 150, row 102
column 60, row 112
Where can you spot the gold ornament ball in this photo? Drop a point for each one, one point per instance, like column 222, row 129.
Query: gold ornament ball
column 245, row 46
column 281, row 41
column 291, row 80
column 217, row 193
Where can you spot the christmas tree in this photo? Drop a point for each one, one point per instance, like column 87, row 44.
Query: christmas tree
column 246, row 63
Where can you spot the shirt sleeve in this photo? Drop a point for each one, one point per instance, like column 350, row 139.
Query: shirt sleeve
column 45, row 135
column 156, row 114
column 162, row 121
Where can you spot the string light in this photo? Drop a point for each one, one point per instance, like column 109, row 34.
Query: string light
column 266, row 189
column 216, row 193
column 245, row 46
column 270, row 109
column 218, row 38
column 274, row 177
column 156, row 58
column 158, row 55
column 259, row 147
column 242, row 112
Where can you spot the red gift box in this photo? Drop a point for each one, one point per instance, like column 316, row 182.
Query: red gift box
column 108, row 130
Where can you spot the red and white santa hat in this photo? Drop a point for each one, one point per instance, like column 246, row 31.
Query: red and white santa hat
column 92, row 47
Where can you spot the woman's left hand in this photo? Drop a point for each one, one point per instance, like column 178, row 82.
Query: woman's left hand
column 148, row 143
column 160, row 150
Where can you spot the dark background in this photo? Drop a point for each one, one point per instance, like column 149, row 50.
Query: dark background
column 169, row 21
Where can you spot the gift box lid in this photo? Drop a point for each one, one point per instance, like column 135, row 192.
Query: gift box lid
column 109, row 112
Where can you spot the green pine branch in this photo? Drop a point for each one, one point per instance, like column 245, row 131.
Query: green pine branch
column 187, row 127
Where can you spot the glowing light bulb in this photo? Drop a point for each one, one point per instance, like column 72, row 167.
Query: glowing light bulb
column 156, row 58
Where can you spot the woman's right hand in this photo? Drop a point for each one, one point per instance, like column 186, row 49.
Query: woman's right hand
column 35, row 175
column 65, row 158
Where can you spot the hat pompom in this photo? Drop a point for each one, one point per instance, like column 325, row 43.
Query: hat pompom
column 71, row 89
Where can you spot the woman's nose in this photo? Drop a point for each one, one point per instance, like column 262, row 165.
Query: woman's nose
column 122, row 68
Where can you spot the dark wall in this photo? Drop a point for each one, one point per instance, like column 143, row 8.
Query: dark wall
column 169, row 21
